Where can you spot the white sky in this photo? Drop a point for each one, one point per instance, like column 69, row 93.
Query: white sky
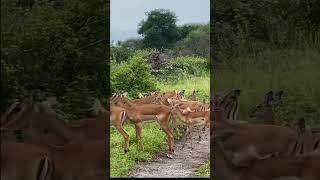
column 126, row 14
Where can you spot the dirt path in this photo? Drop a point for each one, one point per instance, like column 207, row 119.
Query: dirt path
column 183, row 163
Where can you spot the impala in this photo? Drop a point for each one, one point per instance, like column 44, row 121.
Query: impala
column 265, row 110
column 138, row 114
column 266, row 138
column 192, row 118
column 303, row 167
column 117, row 118
column 25, row 161
column 194, row 95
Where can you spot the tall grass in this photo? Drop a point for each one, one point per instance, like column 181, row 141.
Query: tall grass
column 294, row 71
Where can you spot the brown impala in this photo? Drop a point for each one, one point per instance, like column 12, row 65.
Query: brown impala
column 146, row 112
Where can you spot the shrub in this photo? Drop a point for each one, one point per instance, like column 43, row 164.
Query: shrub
column 133, row 76
column 189, row 65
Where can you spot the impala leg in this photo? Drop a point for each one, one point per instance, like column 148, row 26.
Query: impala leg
column 174, row 120
column 199, row 135
column 190, row 137
column 167, row 130
column 185, row 137
column 139, row 135
column 125, row 137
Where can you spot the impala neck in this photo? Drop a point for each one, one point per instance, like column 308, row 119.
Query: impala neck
column 218, row 115
column 268, row 115
column 179, row 113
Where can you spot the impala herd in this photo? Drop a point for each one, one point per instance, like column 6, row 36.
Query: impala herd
column 261, row 151
column 161, row 107
column 37, row 145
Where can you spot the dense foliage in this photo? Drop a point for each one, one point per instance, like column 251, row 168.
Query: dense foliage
column 58, row 47
column 263, row 45
column 240, row 27
column 133, row 76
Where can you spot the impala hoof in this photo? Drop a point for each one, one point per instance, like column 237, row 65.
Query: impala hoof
column 170, row 156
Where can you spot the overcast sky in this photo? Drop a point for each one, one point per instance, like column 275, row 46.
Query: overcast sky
column 126, row 14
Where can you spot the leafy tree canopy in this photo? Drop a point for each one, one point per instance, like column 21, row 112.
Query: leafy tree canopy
column 159, row 30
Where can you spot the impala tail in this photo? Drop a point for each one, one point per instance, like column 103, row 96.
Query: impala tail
column 46, row 168
column 123, row 117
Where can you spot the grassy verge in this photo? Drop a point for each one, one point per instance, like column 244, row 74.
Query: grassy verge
column 294, row 71
column 155, row 140
column 189, row 84
column 203, row 171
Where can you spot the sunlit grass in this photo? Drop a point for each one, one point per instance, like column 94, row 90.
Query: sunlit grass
column 189, row 84
column 203, row 171
column 155, row 140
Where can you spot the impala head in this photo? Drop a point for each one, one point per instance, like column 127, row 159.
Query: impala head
column 153, row 93
column 180, row 94
column 267, row 106
column 194, row 92
column 226, row 106
column 35, row 118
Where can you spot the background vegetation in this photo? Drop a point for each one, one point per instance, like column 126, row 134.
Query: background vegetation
column 59, row 47
column 167, row 57
column 263, row 45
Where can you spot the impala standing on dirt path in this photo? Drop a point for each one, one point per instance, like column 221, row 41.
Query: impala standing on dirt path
column 138, row 114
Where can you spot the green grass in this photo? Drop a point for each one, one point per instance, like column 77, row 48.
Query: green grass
column 203, row 171
column 189, row 84
column 294, row 71
column 155, row 140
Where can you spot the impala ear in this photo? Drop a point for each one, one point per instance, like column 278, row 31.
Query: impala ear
column 279, row 95
column 189, row 110
column 268, row 96
column 237, row 92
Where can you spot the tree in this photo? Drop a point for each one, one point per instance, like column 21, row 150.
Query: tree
column 160, row 29
column 195, row 42
column 60, row 49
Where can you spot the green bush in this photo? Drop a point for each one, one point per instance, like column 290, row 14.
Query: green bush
column 133, row 76
column 121, row 54
column 191, row 65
